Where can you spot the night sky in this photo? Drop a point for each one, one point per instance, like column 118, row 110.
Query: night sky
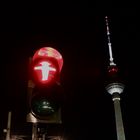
column 80, row 36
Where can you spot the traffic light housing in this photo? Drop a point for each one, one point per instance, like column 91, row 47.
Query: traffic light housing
column 45, row 93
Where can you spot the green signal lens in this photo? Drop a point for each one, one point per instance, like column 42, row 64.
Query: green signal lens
column 44, row 107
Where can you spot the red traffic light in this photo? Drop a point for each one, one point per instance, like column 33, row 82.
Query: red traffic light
column 46, row 66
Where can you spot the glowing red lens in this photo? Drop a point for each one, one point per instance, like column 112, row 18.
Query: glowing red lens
column 44, row 71
column 46, row 65
column 48, row 52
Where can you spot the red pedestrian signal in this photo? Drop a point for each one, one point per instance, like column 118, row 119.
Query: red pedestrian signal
column 44, row 88
column 46, row 66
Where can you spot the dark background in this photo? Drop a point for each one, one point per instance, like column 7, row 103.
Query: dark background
column 78, row 32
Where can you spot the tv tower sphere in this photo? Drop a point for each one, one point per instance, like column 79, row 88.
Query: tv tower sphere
column 115, row 88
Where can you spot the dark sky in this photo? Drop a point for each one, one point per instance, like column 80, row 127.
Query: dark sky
column 80, row 37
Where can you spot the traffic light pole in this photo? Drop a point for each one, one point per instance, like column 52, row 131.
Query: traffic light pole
column 34, row 131
column 8, row 125
column 118, row 117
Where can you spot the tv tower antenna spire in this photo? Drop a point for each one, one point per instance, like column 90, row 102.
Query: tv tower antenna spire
column 109, row 42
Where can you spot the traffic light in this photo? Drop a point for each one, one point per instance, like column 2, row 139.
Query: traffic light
column 45, row 93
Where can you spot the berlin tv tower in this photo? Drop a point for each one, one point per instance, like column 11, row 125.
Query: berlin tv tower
column 115, row 87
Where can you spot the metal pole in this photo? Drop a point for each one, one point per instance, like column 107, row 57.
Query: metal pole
column 34, row 131
column 43, row 137
column 118, row 117
column 8, row 126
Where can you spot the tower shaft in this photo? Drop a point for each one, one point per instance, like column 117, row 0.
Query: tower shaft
column 118, row 117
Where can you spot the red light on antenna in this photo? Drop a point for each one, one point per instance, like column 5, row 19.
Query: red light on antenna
column 113, row 73
column 113, row 69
